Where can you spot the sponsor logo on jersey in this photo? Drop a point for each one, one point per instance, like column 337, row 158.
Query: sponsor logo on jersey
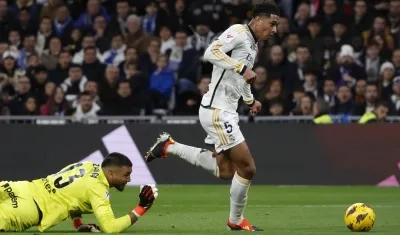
column 11, row 194
column 107, row 195
column 47, row 186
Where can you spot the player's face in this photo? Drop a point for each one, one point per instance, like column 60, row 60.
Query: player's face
column 267, row 27
column 120, row 176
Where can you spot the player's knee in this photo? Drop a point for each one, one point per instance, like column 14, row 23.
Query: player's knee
column 248, row 170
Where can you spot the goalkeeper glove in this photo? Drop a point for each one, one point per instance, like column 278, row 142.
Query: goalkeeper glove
column 147, row 195
column 85, row 228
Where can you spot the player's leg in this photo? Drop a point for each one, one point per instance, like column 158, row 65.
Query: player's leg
column 18, row 210
column 211, row 161
column 231, row 143
column 245, row 170
column 216, row 164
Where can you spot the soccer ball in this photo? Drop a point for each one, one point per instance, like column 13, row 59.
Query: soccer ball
column 359, row 217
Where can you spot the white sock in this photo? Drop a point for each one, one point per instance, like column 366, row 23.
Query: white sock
column 195, row 156
column 239, row 188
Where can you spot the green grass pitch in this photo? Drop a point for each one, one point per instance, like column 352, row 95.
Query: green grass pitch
column 204, row 210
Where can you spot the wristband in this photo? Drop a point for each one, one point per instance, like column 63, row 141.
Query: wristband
column 77, row 222
column 243, row 70
column 252, row 103
column 139, row 211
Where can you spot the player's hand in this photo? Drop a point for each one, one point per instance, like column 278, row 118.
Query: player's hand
column 88, row 228
column 255, row 108
column 249, row 75
column 148, row 194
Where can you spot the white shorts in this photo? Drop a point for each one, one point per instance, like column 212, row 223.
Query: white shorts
column 222, row 128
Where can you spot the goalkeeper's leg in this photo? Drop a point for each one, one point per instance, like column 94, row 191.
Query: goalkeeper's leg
column 18, row 210
column 216, row 164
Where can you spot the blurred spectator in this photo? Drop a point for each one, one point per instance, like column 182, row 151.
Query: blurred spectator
column 379, row 27
column 87, row 41
column 386, row 78
column 124, row 103
column 359, row 90
column 362, row 19
column 57, row 105
column 118, row 22
column 395, row 98
column 93, row 9
column 139, row 83
column 108, row 87
column 305, row 107
column 6, row 17
column 161, row 85
column 86, row 107
column 167, row 40
column 132, row 56
column 345, row 103
column 371, row 98
column 154, row 19
column 328, row 93
column 190, row 99
column 347, row 71
column 43, row 35
column 49, row 9
column 148, row 58
column 180, row 17
column 31, row 107
column 136, row 37
column 23, row 87
column 183, row 58
column 49, row 57
column 40, row 78
column 116, row 53
column 20, row 5
column 74, row 84
column 25, row 24
column 101, row 34
column 91, row 66
column 63, row 24
column 61, row 71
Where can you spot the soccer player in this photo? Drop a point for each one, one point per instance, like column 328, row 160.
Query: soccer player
column 80, row 188
column 232, row 55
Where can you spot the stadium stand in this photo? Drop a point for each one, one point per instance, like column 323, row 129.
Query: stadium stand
column 123, row 57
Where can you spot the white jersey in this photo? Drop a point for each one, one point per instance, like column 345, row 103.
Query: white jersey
column 233, row 51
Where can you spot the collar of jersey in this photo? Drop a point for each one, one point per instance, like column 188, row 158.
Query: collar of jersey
column 103, row 178
column 252, row 33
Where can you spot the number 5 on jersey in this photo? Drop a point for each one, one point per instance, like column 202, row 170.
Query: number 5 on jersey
column 58, row 181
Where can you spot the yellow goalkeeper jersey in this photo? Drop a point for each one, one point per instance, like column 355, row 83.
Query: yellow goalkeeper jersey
column 79, row 188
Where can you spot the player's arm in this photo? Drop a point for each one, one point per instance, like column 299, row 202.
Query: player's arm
column 216, row 53
column 248, row 97
column 105, row 215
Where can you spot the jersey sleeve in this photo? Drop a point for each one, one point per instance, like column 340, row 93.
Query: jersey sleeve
column 216, row 52
column 99, row 199
column 248, row 97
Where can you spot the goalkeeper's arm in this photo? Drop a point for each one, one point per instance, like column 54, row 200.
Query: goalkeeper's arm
column 104, row 214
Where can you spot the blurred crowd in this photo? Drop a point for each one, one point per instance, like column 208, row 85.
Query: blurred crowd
column 142, row 57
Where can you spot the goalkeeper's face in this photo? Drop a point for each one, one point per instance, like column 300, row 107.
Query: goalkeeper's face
column 119, row 177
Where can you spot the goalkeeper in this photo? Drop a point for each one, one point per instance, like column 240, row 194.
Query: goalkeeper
column 80, row 188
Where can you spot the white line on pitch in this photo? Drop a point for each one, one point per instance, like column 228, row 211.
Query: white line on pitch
column 282, row 206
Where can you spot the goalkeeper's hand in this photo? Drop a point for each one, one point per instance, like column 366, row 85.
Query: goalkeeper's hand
column 88, row 228
column 148, row 194
column 85, row 228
